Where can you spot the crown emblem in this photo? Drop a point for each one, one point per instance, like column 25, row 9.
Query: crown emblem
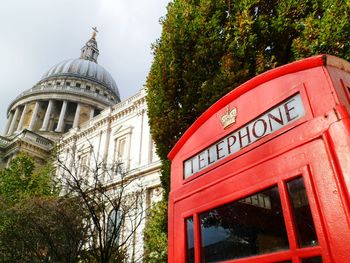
column 229, row 117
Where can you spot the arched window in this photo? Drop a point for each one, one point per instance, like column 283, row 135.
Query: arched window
column 114, row 226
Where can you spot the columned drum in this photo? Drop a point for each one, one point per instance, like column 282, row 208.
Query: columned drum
column 68, row 94
column 264, row 174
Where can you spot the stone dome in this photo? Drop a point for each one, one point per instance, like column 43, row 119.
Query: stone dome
column 69, row 94
column 83, row 68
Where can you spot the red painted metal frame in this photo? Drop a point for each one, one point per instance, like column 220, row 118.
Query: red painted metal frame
column 298, row 66
column 316, row 147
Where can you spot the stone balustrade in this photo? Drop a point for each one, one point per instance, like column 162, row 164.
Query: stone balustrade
column 65, row 89
column 4, row 141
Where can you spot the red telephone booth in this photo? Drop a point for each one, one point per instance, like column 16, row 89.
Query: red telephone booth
column 264, row 174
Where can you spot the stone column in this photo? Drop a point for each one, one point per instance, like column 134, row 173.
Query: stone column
column 34, row 116
column 92, row 112
column 142, row 113
column 77, row 116
column 9, row 120
column 13, row 122
column 21, row 120
column 47, row 116
column 60, row 124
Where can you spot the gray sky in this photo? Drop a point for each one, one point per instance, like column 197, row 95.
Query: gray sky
column 37, row 34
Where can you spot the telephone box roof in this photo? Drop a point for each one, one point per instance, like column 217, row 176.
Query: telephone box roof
column 308, row 63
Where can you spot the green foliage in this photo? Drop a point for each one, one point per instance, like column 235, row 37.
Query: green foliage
column 43, row 229
column 325, row 30
column 22, row 180
column 155, row 234
column 35, row 224
column 209, row 47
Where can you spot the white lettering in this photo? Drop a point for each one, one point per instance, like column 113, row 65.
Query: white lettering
column 276, row 118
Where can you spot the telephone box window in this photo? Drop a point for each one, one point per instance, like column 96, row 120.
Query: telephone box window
column 312, row 260
column 190, row 240
column 250, row 226
column 302, row 214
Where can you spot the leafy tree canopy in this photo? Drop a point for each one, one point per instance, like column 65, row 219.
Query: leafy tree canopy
column 155, row 234
column 209, row 47
column 21, row 180
column 43, row 229
column 35, row 224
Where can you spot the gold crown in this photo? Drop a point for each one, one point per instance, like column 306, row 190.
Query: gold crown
column 229, row 117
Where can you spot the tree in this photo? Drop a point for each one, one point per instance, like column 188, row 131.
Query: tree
column 22, row 180
column 111, row 201
column 35, row 224
column 89, row 221
column 43, row 229
column 209, row 47
column 155, row 234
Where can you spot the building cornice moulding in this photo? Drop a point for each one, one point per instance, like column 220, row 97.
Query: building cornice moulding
column 111, row 114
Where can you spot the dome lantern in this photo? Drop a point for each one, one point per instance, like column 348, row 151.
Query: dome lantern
column 90, row 50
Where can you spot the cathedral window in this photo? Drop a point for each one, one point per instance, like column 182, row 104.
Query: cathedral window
column 121, row 151
column 67, row 83
column 77, row 85
column 83, row 164
column 120, row 159
column 121, row 148
column 114, row 226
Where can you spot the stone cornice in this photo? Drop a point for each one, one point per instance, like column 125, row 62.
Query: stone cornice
column 72, row 75
column 29, row 141
column 4, row 142
column 64, row 90
column 118, row 111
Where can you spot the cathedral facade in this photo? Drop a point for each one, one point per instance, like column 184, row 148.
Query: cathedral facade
column 76, row 105
column 69, row 94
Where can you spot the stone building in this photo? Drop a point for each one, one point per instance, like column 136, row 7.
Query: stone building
column 76, row 105
column 119, row 135
column 69, row 94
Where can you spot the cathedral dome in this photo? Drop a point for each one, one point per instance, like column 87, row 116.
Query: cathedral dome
column 85, row 69
column 70, row 93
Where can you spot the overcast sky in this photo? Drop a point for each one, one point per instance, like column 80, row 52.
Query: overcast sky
column 37, row 34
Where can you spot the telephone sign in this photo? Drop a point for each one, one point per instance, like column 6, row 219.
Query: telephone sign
column 274, row 119
column 264, row 174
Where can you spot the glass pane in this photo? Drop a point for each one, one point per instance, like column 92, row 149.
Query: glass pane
column 306, row 233
column 312, row 260
column 190, row 240
column 113, row 226
column 250, row 226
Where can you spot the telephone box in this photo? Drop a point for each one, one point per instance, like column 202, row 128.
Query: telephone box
column 264, row 174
